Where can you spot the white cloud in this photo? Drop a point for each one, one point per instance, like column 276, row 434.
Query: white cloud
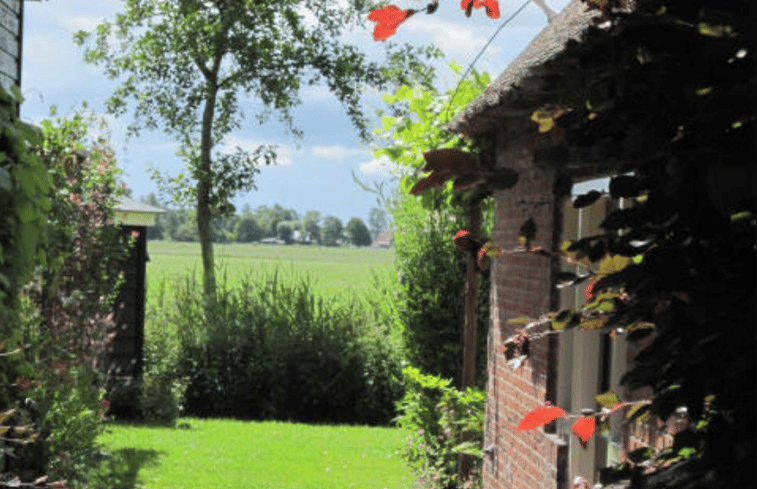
column 383, row 166
column 455, row 40
column 337, row 152
column 73, row 23
column 283, row 152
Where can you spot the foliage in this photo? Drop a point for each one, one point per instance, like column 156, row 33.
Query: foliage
column 24, row 185
column 357, row 232
column 284, row 231
column 311, row 225
column 270, row 349
column 431, row 274
column 185, row 63
column 377, row 222
column 67, row 307
column 162, row 388
column 442, row 423
column 331, row 231
column 248, row 230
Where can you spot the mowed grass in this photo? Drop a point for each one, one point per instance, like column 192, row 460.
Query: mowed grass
column 332, row 271
column 210, row 454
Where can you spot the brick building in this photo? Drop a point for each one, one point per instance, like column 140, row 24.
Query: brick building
column 569, row 369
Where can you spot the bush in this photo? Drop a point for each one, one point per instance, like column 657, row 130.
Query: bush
column 442, row 423
column 430, row 298
column 269, row 349
column 66, row 311
column 162, row 389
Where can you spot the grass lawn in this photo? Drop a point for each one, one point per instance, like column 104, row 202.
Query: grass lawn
column 213, row 454
column 333, row 271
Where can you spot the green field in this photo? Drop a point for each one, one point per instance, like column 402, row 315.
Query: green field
column 332, row 271
column 210, row 454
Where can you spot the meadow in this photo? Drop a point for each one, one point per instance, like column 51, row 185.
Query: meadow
column 224, row 453
column 332, row 271
column 210, row 454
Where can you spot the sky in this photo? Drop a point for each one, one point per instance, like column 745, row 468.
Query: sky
column 315, row 172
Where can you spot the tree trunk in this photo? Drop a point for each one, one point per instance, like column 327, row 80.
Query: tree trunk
column 204, row 183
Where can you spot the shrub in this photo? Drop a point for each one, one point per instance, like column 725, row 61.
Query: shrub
column 162, row 389
column 443, row 423
column 430, row 297
column 67, row 307
column 269, row 349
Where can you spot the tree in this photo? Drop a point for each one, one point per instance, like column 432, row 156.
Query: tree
column 156, row 231
column 376, row 221
column 184, row 63
column 284, row 231
column 248, row 229
column 311, row 225
column 332, row 230
column 357, row 232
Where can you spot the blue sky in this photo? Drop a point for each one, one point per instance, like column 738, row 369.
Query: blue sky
column 314, row 172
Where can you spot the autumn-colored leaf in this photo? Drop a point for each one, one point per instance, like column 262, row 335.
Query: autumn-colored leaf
column 540, row 416
column 589, row 292
column 446, row 164
column 546, row 118
column 612, row 264
column 465, row 243
column 583, row 428
column 23, row 382
column 387, row 20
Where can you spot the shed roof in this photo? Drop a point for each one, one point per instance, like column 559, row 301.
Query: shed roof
column 517, row 90
column 125, row 204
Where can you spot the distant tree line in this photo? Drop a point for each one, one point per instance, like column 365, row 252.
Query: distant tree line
column 266, row 222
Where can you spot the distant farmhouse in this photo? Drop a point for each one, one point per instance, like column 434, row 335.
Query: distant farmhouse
column 385, row 239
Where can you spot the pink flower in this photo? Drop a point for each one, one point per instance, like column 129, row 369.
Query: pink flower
column 75, row 198
column 135, row 234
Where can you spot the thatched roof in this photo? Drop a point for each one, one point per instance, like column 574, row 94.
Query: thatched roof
column 519, row 88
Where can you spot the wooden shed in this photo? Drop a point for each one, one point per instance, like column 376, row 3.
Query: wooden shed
column 124, row 357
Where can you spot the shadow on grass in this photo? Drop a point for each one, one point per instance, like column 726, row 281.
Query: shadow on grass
column 119, row 469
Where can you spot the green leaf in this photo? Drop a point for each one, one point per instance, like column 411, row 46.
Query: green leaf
column 638, row 411
column 565, row 319
column 608, row 400
column 6, row 182
column 26, row 211
column 641, row 455
column 523, row 320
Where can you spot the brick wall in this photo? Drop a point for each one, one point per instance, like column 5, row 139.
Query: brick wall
column 521, row 285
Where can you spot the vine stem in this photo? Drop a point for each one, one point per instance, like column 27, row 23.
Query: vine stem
column 481, row 52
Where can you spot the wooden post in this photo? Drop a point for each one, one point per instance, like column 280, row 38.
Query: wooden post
column 470, row 337
column 471, row 300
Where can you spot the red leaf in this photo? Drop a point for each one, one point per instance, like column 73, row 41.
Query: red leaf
column 540, row 416
column 583, row 428
column 481, row 258
column 464, row 243
column 492, row 7
column 387, row 19
column 590, row 290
